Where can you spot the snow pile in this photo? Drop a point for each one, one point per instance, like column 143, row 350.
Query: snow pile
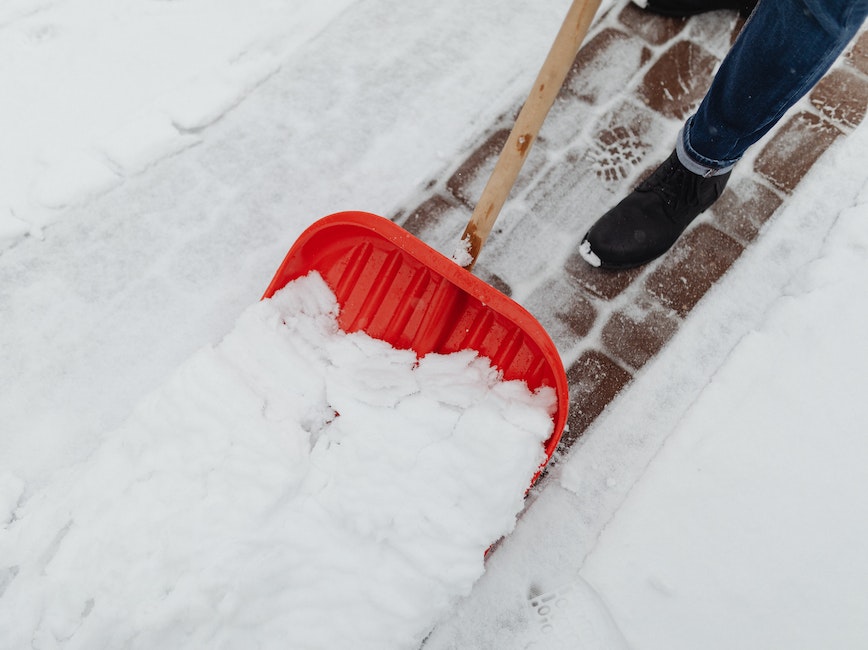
column 294, row 486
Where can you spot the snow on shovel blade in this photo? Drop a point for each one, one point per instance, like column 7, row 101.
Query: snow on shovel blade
column 396, row 288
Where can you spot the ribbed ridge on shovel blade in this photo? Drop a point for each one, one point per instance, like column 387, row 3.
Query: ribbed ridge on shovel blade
column 395, row 288
column 389, row 293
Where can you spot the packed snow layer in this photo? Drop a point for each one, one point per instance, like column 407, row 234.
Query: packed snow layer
column 294, row 486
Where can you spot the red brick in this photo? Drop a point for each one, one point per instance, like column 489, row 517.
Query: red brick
column 794, row 149
column 577, row 314
column 438, row 221
column 736, row 30
column 594, row 381
column 567, row 319
column 479, row 163
column 603, row 284
column 694, row 264
column 426, row 216
column 653, row 28
column 744, row 207
column 841, row 97
column 605, row 65
column 676, row 83
column 467, row 183
column 493, row 279
column 635, row 335
column 857, row 55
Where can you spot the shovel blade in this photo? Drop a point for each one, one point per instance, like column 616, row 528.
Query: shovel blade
column 396, row 288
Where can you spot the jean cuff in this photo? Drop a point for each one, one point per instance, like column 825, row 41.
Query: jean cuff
column 698, row 164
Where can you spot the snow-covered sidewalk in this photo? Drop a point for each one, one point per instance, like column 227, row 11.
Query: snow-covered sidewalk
column 162, row 158
column 716, row 503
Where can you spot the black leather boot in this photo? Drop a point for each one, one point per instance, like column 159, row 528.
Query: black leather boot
column 693, row 7
column 648, row 221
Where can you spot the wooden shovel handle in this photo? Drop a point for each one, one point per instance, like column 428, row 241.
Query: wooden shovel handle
column 527, row 125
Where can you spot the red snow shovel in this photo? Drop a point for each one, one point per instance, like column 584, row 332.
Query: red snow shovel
column 394, row 287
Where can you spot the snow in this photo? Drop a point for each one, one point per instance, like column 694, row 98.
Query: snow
column 766, row 551
column 774, row 446
column 97, row 92
column 292, row 485
column 162, row 157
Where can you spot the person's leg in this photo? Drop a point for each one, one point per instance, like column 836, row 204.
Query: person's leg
column 783, row 50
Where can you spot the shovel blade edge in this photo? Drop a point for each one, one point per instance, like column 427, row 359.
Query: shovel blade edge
column 396, row 288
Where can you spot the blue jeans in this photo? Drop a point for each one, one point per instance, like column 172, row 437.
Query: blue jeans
column 784, row 49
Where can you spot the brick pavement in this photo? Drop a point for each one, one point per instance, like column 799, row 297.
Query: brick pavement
column 634, row 81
